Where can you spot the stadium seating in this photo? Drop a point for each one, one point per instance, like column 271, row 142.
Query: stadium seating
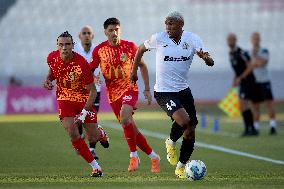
column 30, row 28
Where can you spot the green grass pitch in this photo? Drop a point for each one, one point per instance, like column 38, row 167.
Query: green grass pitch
column 35, row 152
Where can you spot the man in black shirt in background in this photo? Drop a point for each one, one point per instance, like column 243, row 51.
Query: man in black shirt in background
column 239, row 61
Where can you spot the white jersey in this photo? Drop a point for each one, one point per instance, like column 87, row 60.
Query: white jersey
column 173, row 59
column 78, row 48
column 261, row 73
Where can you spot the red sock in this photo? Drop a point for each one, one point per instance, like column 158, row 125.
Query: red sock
column 130, row 136
column 143, row 144
column 83, row 149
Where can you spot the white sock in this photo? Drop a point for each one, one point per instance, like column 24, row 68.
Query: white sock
column 256, row 125
column 272, row 123
column 180, row 165
column 134, row 154
column 153, row 155
column 95, row 165
column 170, row 142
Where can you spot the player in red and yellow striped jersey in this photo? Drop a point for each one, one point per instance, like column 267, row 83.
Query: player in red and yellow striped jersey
column 114, row 57
column 75, row 95
column 116, row 64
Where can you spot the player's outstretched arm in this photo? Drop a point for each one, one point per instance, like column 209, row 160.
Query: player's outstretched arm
column 206, row 57
column 137, row 60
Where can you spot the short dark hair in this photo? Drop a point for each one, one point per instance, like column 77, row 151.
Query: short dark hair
column 111, row 21
column 65, row 34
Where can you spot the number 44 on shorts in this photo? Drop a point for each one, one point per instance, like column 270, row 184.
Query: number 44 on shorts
column 172, row 104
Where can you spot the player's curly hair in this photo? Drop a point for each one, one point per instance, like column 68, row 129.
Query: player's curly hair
column 175, row 15
column 65, row 34
column 111, row 21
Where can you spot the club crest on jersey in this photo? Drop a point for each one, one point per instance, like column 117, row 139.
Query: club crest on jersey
column 185, row 45
column 72, row 76
column 123, row 57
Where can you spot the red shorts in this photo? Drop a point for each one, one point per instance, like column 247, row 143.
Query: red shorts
column 129, row 97
column 71, row 109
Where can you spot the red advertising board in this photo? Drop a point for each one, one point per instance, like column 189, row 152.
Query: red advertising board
column 33, row 100
column 30, row 100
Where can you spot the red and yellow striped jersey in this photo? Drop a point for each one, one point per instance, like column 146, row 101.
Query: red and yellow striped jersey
column 71, row 77
column 116, row 65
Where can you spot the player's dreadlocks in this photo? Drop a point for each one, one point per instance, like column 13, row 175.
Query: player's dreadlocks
column 65, row 34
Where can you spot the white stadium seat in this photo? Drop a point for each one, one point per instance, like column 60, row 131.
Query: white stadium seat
column 30, row 28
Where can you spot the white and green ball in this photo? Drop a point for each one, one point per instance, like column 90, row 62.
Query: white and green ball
column 195, row 170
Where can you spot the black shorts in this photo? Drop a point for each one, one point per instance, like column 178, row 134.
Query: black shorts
column 249, row 91
column 172, row 101
column 97, row 101
column 264, row 91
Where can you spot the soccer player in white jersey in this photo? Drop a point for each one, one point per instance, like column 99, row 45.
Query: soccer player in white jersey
column 175, row 49
column 85, row 48
column 260, row 57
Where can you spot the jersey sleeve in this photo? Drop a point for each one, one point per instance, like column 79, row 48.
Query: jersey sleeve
column 49, row 60
column 95, row 60
column 198, row 44
column 151, row 43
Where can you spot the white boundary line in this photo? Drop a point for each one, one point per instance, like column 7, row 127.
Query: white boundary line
column 157, row 135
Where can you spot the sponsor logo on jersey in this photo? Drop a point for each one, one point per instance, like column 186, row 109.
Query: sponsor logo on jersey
column 176, row 59
column 118, row 71
column 127, row 98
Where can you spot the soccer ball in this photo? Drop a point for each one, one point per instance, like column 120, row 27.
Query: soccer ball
column 195, row 170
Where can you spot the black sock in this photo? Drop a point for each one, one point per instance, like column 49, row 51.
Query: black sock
column 176, row 132
column 80, row 129
column 92, row 144
column 186, row 149
column 248, row 119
